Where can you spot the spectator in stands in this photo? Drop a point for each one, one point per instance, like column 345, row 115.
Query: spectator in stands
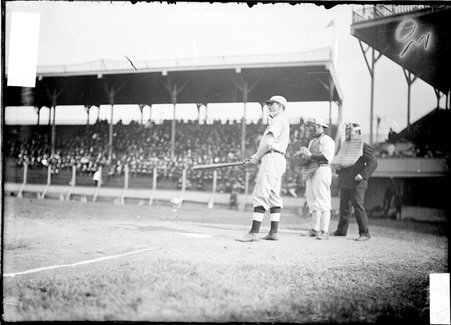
column 392, row 136
column 429, row 153
column 390, row 149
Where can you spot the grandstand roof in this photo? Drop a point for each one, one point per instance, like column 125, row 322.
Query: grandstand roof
column 432, row 129
column 416, row 37
column 303, row 76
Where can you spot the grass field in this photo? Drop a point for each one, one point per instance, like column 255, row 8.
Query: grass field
column 185, row 265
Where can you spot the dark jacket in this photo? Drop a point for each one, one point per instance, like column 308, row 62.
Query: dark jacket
column 365, row 166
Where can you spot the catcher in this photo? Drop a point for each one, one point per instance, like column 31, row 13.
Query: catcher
column 317, row 174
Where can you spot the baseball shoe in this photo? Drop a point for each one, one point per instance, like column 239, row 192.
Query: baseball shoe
column 323, row 235
column 271, row 236
column 249, row 237
column 336, row 233
column 313, row 233
column 363, row 238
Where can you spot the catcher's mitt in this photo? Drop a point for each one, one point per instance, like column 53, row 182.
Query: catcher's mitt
column 302, row 161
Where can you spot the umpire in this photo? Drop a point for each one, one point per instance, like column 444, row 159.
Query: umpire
column 353, row 181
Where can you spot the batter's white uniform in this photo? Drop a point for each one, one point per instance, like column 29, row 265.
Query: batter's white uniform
column 273, row 164
column 317, row 191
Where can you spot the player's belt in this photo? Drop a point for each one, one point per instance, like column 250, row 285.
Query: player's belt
column 276, row 151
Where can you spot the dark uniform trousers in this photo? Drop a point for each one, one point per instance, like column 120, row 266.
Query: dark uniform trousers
column 356, row 197
column 354, row 192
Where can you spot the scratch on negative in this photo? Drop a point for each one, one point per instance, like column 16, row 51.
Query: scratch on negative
column 131, row 62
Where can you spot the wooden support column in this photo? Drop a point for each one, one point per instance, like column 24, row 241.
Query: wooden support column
column 243, row 121
column 448, row 100
column 88, row 109
column 262, row 106
column 49, row 180
column 438, row 95
column 242, row 205
column 245, row 90
column 340, row 112
column 198, row 105
column 24, row 181
column 111, row 92
column 183, row 183
column 154, row 186
column 126, row 178
column 110, row 135
column 38, row 112
column 53, row 131
column 378, row 123
column 72, row 182
column 330, row 87
column 53, row 96
column 339, row 125
column 174, row 103
column 50, row 115
column 173, row 92
column 141, row 109
column 410, row 79
column 211, row 202
column 370, row 66
column 331, row 98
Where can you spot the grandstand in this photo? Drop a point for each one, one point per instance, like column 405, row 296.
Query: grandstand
column 109, row 221
column 414, row 37
column 304, row 76
column 124, row 152
column 417, row 39
column 145, row 152
column 136, row 156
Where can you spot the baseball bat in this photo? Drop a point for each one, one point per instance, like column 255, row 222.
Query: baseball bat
column 220, row 165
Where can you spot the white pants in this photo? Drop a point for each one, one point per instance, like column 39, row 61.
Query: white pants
column 317, row 191
column 269, row 181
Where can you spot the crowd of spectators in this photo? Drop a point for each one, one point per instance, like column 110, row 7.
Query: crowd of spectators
column 35, row 151
column 398, row 146
column 144, row 147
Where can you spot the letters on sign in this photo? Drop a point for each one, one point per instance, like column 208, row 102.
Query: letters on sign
column 405, row 33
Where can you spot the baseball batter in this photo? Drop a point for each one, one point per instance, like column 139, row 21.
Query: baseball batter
column 271, row 155
column 320, row 152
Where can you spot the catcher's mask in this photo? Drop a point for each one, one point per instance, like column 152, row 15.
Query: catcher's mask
column 352, row 130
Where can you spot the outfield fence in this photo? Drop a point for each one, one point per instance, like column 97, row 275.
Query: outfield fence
column 67, row 186
column 72, row 184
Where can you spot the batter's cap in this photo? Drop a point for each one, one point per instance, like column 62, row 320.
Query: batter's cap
column 277, row 99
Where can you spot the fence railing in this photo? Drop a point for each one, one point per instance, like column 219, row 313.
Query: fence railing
column 374, row 12
column 124, row 194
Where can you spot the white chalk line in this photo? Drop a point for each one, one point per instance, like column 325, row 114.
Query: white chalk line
column 197, row 235
column 78, row 263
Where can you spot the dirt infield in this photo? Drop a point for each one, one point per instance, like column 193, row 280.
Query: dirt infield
column 194, row 270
